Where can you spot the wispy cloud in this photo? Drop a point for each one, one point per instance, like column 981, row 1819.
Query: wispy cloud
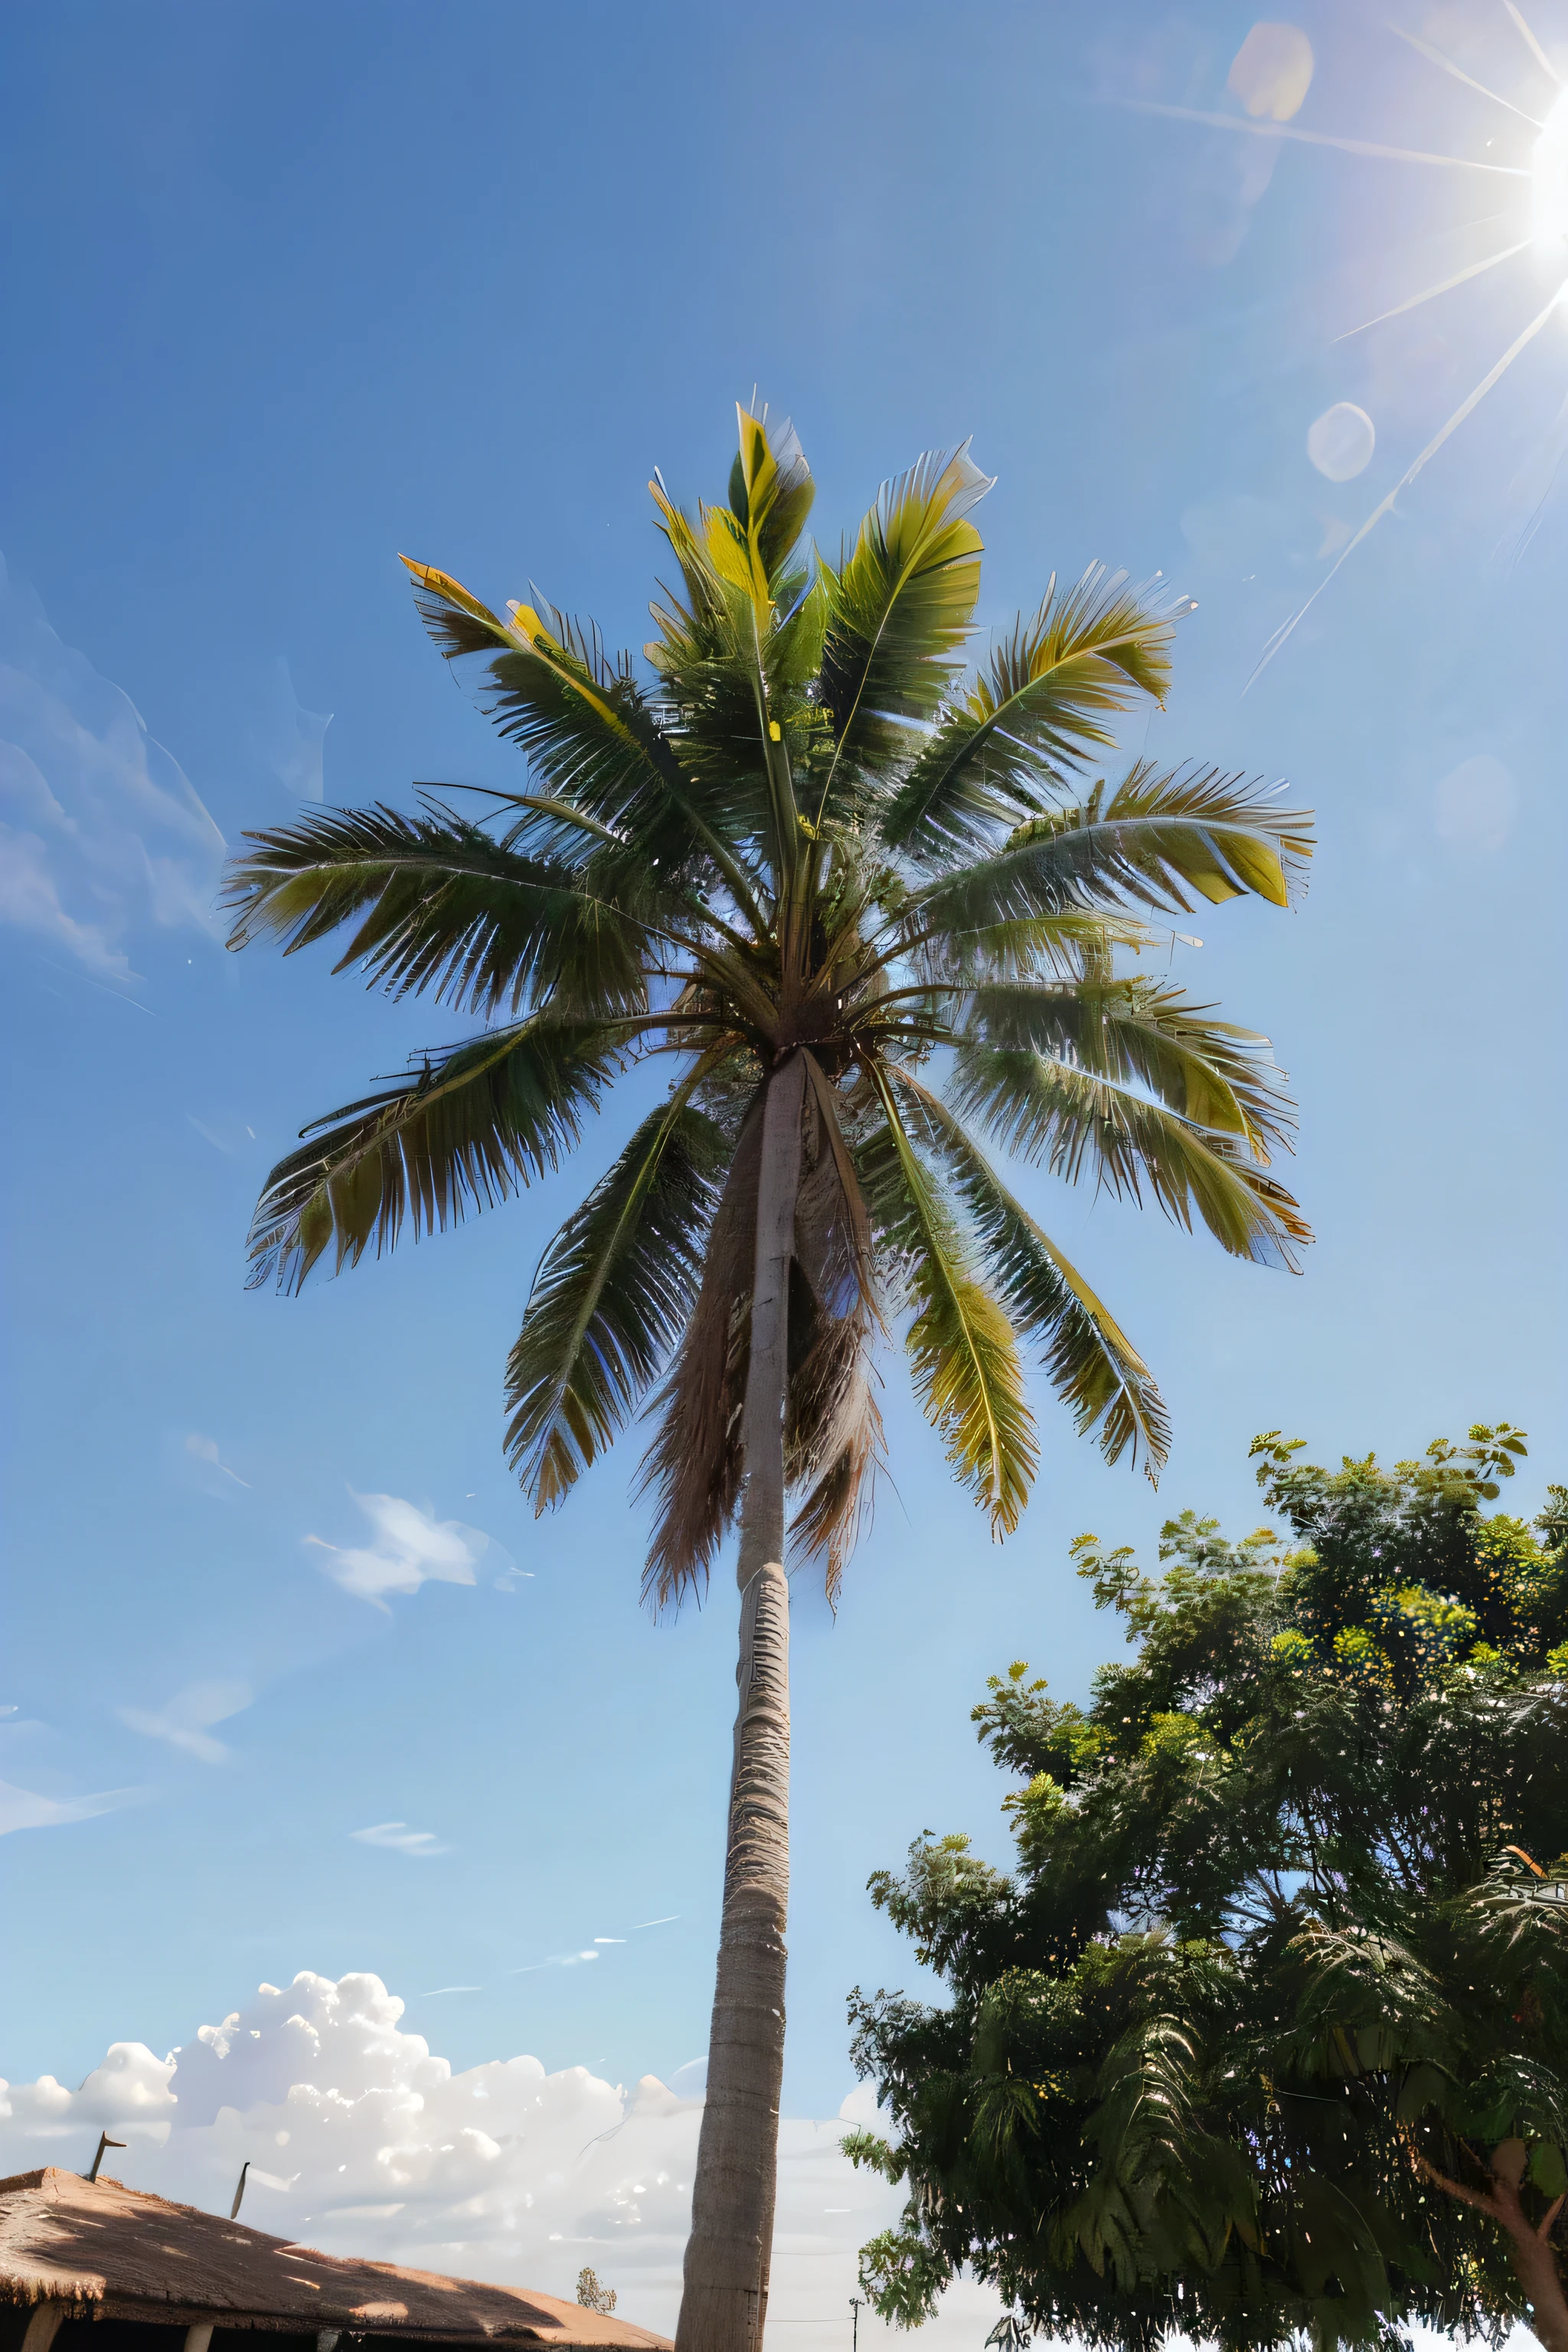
column 556, row 1960
column 400, row 1839
column 205, row 1449
column 288, row 739
column 22, row 1809
column 667, row 1921
column 410, row 1548
column 225, row 1131
column 100, row 834
column 187, row 1719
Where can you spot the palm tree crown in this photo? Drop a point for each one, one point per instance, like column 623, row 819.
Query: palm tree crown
column 809, row 838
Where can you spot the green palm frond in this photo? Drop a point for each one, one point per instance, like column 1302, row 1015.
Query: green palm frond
column 1132, row 1032
column 900, row 609
column 771, row 489
column 612, row 1294
column 440, row 905
column 1049, row 1112
column 963, row 1351
column 714, row 655
column 1156, row 838
column 1091, row 1362
column 1074, row 943
column 480, row 1123
column 1051, row 685
column 585, row 729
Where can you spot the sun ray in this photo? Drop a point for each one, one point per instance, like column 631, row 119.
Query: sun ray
column 1415, row 302
column 1320, row 139
column 1459, row 74
column 1533, row 45
column 1385, row 506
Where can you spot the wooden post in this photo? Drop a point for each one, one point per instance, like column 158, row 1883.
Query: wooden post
column 43, row 2327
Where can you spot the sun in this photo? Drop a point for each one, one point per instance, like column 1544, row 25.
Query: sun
column 1259, row 75
column 1548, row 183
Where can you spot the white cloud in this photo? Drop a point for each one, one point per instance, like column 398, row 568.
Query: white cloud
column 129, row 2091
column 410, row 1548
column 100, row 834
column 501, row 2171
column 186, row 1721
column 24, row 1809
column 401, row 1839
column 1272, row 71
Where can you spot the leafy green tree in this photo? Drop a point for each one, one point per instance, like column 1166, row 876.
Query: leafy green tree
column 803, row 855
column 1268, row 2033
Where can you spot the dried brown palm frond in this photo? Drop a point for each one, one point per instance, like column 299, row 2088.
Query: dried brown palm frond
column 693, row 1464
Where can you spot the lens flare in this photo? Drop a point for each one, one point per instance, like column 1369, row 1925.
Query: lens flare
column 1549, row 181
column 1271, row 74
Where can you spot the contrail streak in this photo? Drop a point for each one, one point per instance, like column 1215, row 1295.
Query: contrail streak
column 1318, row 138
column 1533, row 45
column 1432, row 293
column 1469, row 80
column 1470, row 403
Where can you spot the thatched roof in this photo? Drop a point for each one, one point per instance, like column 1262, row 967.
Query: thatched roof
column 114, row 2253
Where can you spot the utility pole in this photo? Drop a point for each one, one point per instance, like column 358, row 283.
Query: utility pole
column 854, row 2310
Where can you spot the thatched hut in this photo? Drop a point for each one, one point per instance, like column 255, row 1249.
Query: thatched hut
column 93, row 2266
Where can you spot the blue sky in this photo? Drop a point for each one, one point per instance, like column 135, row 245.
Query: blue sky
column 300, row 286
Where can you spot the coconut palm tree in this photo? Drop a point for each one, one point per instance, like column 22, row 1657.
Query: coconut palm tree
column 810, row 860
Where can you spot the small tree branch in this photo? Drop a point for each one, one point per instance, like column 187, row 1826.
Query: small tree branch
column 1476, row 2197
column 1544, row 2229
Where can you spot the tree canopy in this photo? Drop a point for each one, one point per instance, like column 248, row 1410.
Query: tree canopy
column 1268, row 2029
column 809, row 831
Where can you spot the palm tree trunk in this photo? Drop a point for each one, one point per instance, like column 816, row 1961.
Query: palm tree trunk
column 724, row 2301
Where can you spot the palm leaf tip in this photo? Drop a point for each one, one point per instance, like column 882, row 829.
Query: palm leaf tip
column 440, row 905
column 614, row 1291
column 1066, row 1118
column 1036, row 713
column 900, row 606
column 771, row 489
column 458, row 621
column 1091, row 1364
column 1151, row 841
column 968, row 1377
column 476, row 1124
column 963, row 1349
